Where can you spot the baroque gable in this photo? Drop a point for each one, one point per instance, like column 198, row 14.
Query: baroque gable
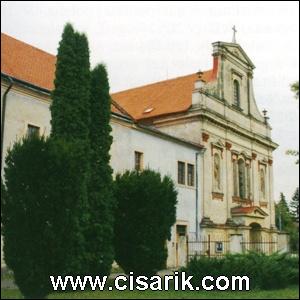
column 234, row 51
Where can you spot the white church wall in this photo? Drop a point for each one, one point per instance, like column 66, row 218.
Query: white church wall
column 186, row 129
column 23, row 108
column 158, row 154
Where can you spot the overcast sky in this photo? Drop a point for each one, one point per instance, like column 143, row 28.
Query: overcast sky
column 143, row 42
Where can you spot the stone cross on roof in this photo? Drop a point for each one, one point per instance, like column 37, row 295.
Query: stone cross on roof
column 234, row 32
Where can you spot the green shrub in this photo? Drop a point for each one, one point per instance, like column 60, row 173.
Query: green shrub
column 292, row 262
column 265, row 272
column 23, row 224
column 42, row 213
column 146, row 210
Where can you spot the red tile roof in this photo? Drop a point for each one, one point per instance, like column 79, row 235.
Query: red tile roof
column 161, row 98
column 32, row 65
column 27, row 63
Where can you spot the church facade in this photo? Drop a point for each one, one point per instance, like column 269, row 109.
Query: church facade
column 204, row 130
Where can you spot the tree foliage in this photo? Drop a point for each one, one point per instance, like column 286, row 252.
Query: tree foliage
column 294, row 205
column 285, row 222
column 146, row 210
column 283, row 216
column 25, row 244
column 70, row 112
column 295, row 89
column 41, row 219
column 294, row 153
column 70, row 109
column 45, row 205
column 101, row 201
column 259, row 267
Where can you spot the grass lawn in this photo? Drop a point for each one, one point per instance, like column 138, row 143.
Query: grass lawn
column 288, row 293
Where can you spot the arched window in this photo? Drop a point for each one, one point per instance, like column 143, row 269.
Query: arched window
column 242, row 181
column 236, row 93
column 217, row 172
column 262, row 185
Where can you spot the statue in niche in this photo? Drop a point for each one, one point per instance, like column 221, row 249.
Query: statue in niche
column 262, row 183
column 217, row 172
column 241, row 172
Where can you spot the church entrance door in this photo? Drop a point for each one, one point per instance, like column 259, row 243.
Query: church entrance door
column 181, row 245
column 255, row 237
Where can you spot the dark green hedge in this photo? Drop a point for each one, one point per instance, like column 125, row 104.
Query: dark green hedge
column 146, row 210
column 265, row 272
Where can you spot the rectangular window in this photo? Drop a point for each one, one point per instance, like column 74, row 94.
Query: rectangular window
column 191, row 175
column 138, row 161
column 219, row 247
column 33, row 130
column 181, row 172
column 181, row 230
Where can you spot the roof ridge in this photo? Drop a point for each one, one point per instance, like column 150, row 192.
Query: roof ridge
column 157, row 82
column 27, row 44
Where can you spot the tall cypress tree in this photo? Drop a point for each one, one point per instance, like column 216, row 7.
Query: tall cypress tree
column 283, row 203
column 294, row 205
column 101, row 201
column 283, row 215
column 45, row 199
column 70, row 98
column 70, row 122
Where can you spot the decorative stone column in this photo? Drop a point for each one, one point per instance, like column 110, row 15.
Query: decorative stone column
column 229, row 179
column 255, row 180
column 271, row 195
